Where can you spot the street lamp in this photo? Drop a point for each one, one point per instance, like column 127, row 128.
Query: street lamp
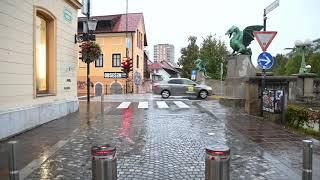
column 89, row 28
column 302, row 48
column 92, row 24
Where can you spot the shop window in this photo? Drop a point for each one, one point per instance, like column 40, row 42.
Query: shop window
column 45, row 58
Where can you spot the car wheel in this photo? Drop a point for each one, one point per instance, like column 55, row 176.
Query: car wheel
column 165, row 94
column 203, row 94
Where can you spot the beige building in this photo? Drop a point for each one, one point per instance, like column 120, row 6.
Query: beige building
column 105, row 73
column 38, row 62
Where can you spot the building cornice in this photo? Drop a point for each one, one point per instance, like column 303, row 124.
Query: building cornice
column 74, row 3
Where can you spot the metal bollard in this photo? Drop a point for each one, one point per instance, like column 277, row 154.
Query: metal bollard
column 104, row 162
column 217, row 163
column 13, row 171
column 102, row 97
column 307, row 160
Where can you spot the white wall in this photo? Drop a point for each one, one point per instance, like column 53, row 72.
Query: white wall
column 17, row 52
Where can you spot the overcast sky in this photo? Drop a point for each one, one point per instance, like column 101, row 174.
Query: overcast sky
column 172, row 21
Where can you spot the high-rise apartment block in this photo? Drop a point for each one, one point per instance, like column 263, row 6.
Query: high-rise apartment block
column 163, row 52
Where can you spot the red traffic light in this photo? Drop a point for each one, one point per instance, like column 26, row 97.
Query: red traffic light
column 125, row 65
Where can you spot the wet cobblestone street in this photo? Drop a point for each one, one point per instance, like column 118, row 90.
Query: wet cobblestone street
column 168, row 144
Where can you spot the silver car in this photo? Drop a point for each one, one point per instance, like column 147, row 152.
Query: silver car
column 181, row 87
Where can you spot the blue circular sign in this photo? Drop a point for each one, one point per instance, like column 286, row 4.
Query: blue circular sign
column 265, row 60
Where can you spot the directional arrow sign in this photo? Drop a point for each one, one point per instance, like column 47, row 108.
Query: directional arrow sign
column 264, row 38
column 265, row 60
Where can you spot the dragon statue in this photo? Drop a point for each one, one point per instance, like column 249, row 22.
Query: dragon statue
column 240, row 40
column 201, row 66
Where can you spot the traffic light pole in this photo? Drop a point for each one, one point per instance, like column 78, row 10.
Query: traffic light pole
column 88, row 82
column 88, row 63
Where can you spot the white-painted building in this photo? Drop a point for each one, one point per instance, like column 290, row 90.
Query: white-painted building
column 38, row 62
column 162, row 71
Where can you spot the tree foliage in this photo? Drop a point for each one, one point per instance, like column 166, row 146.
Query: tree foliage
column 289, row 64
column 212, row 51
column 188, row 55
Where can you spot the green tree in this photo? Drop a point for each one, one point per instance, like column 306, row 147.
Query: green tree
column 214, row 52
column 314, row 62
column 279, row 67
column 188, row 55
column 293, row 65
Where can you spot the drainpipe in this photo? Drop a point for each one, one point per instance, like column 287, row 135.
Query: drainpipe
column 132, row 58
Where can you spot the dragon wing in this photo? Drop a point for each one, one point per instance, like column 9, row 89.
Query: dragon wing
column 248, row 34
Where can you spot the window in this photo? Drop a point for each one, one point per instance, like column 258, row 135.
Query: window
column 138, row 38
column 99, row 61
column 45, row 47
column 116, row 60
column 137, row 61
column 175, row 81
column 188, row 82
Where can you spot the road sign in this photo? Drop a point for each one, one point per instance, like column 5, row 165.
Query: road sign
column 264, row 38
column 137, row 78
column 265, row 60
column 193, row 74
column 272, row 6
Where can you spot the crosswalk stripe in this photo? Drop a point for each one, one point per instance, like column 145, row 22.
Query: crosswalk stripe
column 181, row 104
column 124, row 105
column 162, row 104
column 143, row 105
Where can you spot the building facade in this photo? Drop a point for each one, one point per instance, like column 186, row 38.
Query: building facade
column 163, row 71
column 163, row 52
column 38, row 63
column 105, row 73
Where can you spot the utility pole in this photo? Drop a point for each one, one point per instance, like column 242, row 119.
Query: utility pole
column 127, row 44
column 88, row 63
column 267, row 10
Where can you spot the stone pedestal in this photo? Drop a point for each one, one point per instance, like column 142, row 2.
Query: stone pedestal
column 305, row 86
column 201, row 78
column 240, row 68
column 252, row 103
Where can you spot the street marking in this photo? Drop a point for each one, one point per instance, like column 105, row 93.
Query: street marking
column 143, row 105
column 180, row 104
column 162, row 104
column 124, row 105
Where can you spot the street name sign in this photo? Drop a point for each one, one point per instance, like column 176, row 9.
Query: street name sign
column 264, row 38
column 265, row 60
column 115, row 75
column 272, row 6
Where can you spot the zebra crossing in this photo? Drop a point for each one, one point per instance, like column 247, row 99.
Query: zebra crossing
column 159, row 104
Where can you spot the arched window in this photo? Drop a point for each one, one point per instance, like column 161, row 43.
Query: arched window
column 45, row 52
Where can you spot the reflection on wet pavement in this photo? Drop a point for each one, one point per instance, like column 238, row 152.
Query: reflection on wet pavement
column 169, row 144
column 166, row 143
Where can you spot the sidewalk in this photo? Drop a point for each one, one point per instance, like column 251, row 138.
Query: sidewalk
column 283, row 144
column 40, row 141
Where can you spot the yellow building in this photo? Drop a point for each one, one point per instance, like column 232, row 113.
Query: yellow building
column 105, row 73
column 38, row 62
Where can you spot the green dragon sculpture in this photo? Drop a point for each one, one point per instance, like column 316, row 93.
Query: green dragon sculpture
column 201, row 66
column 240, row 40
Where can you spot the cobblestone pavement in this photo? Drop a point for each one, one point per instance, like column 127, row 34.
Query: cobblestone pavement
column 282, row 144
column 35, row 143
column 166, row 144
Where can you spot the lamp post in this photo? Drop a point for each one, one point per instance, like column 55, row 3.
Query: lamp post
column 91, row 26
column 302, row 49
